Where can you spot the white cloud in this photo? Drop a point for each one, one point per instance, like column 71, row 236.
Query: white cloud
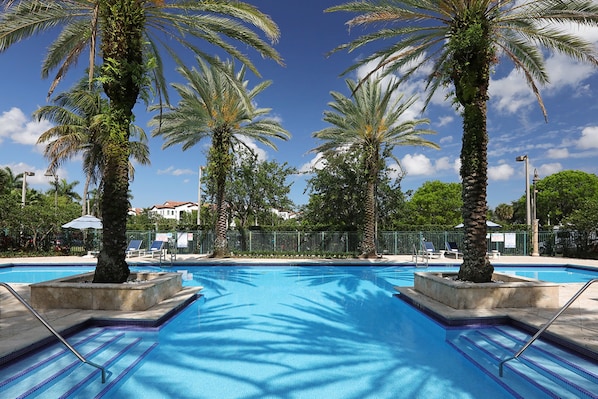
column 548, row 169
column 565, row 72
column 172, row 171
column 443, row 164
column 557, row 153
column 510, row 93
column 446, row 139
column 417, row 165
column 445, row 120
column 17, row 127
column 39, row 177
column 589, row 138
column 501, row 172
column 316, row 162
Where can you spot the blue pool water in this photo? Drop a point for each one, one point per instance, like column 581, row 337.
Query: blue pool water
column 561, row 274
column 302, row 332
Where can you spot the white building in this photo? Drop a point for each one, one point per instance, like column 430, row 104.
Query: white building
column 173, row 209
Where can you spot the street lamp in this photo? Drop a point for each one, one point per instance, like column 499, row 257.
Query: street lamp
column 535, row 220
column 55, row 176
column 24, row 191
column 527, row 199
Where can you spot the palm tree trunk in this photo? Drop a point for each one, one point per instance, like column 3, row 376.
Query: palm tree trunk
column 368, row 243
column 474, row 163
column 221, row 160
column 220, row 242
column 122, row 73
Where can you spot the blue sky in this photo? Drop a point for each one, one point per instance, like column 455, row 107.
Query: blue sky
column 298, row 96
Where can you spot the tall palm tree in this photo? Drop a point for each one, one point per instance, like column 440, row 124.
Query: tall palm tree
column 461, row 40
column 216, row 103
column 128, row 33
column 78, row 116
column 371, row 123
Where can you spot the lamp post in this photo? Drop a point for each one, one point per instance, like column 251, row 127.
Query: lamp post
column 535, row 218
column 24, row 190
column 55, row 176
column 523, row 158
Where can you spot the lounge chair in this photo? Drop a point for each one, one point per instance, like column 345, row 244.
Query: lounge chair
column 429, row 250
column 156, row 247
column 453, row 249
column 133, row 248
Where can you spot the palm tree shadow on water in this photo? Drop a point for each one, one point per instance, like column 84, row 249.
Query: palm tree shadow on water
column 333, row 335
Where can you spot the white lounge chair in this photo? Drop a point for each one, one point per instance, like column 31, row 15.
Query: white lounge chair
column 429, row 250
column 453, row 249
column 156, row 247
column 134, row 248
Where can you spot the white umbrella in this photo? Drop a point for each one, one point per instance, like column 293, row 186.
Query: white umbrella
column 488, row 224
column 84, row 222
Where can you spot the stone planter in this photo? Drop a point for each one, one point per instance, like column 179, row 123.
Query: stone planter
column 505, row 291
column 141, row 292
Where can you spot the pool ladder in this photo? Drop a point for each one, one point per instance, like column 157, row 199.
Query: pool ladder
column 415, row 255
column 545, row 326
column 53, row 331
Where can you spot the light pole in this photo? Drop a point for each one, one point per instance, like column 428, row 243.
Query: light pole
column 55, row 176
column 522, row 158
column 535, row 220
column 24, row 191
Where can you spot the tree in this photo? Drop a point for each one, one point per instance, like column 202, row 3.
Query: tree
column 504, row 213
column 437, row 203
column 584, row 221
column 460, row 41
column 216, row 103
column 256, row 187
column 370, row 122
column 337, row 194
column 562, row 193
column 130, row 31
column 79, row 117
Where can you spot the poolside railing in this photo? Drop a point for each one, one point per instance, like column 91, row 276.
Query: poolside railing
column 545, row 326
column 53, row 331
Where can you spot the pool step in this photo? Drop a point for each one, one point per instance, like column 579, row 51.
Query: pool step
column 543, row 370
column 56, row 373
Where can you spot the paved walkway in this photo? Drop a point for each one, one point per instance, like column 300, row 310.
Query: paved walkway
column 20, row 331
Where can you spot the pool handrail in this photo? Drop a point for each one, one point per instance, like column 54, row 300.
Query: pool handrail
column 545, row 326
column 53, row 331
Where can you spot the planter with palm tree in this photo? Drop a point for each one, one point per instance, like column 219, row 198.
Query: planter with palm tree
column 370, row 122
column 128, row 33
column 216, row 103
column 460, row 41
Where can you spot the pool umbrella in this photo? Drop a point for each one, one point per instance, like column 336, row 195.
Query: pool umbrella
column 488, row 224
column 84, row 222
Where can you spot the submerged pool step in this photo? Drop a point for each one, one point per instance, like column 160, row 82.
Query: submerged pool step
column 57, row 373
column 542, row 370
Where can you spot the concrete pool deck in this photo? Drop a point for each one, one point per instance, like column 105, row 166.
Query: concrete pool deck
column 20, row 331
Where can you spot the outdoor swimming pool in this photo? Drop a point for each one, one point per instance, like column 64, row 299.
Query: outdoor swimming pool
column 555, row 274
column 298, row 332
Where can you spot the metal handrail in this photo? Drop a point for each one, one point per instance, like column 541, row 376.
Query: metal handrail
column 546, row 325
column 415, row 255
column 53, row 331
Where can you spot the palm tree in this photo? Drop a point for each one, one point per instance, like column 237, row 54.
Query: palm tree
column 461, row 40
column 370, row 122
column 9, row 180
column 129, row 32
column 78, row 117
column 216, row 103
